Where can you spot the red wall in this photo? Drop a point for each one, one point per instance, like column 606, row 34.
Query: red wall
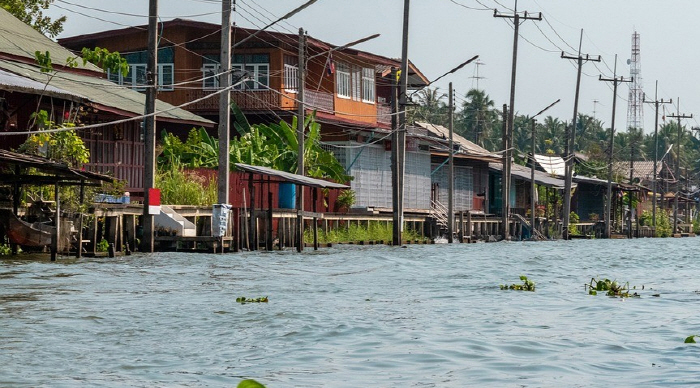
column 238, row 185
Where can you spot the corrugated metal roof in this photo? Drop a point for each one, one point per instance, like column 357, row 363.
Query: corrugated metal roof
column 551, row 164
column 289, row 177
column 20, row 40
column 541, row 178
column 466, row 146
column 51, row 166
column 102, row 92
column 15, row 83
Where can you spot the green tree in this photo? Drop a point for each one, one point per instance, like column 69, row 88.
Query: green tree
column 553, row 134
column 431, row 107
column 31, row 12
column 479, row 121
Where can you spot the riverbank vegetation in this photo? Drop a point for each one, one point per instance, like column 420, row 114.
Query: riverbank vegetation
column 351, row 232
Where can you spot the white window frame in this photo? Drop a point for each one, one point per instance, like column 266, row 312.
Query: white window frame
column 368, row 84
column 210, row 77
column 291, row 78
column 257, row 71
column 342, row 80
column 131, row 80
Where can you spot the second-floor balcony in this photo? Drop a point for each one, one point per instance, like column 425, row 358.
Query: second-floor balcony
column 261, row 100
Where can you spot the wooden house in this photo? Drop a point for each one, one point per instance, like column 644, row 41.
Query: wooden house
column 107, row 116
column 349, row 90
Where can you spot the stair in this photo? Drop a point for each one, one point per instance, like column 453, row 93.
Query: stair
column 439, row 212
column 535, row 233
column 169, row 219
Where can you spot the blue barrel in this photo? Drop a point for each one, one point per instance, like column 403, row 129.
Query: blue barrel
column 287, row 196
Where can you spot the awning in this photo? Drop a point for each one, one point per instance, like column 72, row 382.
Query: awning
column 289, row 177
column 15, row 83
column 63, row 173
column 541, row 178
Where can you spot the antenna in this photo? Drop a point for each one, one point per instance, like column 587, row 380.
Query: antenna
column 635, row 105
column 477, row 77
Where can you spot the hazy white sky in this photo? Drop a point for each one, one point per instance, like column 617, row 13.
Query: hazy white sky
column 444, row 33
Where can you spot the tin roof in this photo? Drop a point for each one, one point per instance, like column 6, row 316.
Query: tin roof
column 289, row 177
column 100, row 91
column 553, row 165
column 465, row 146
column 21, row 41
column 541, row 178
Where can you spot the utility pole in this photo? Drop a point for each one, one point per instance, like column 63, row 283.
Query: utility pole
column 149, row 172
column 678, row 116
column 301, row 78
column 400, row 144
column 533, row 187
column 511, row 112
column 505, row 195
column 611, row 145
column 571, row 138
column 224, row 104
column 451, row 175
column 656, row 103
column 396, row 230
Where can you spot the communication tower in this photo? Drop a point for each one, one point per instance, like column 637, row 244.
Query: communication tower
column 635, row 111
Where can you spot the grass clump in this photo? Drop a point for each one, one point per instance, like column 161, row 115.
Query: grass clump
column 351, row 232
column 181, row 187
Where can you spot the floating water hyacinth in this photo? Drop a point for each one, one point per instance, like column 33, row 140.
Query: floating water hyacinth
column 244, row 300
column 611, row 288
column 528, row 285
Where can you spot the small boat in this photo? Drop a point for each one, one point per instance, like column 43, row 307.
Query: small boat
column 23, row 233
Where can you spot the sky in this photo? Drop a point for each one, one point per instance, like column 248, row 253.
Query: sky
column 445, row 33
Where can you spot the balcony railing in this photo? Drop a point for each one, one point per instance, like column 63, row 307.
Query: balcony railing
column 245, row 99
column 320, row 101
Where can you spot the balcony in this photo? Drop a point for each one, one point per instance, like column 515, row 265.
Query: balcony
column 245, row 99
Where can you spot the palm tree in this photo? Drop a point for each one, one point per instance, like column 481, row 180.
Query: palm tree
column 478, row 120
column 431, row 107
column 553, row 135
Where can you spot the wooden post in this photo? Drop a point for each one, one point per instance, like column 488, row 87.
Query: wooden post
column 252, row 229
column 469, row 225
column 79, row 248
column 236, row 229
column 461, row 227
column 56, row 235
column 269, row 221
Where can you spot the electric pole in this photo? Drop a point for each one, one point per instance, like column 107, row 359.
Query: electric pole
column 656, row 103
column 533, row 187
column 678, row 116
column 301, row 78
column 608, row 202
column 451, row 175
column 149, row 172
column 396, row 230
column 400, row 144
column 505, row 197
column 511, row 112
column 224, row 104
column 571, row 137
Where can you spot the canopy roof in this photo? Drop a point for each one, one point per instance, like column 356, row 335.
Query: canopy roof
column 541, row 178
column 289, row 177
column 551, row 164
column 62, row 172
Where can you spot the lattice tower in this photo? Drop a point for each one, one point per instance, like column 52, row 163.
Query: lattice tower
column 635, row 111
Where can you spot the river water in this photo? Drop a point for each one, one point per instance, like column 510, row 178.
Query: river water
column 351, row 316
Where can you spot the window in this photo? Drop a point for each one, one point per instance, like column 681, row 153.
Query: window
column 137, row 79
column 291, row 74
column 368, row 85
column 343, row 80
column 210, row 79
column 355, row 82
column 258, row 68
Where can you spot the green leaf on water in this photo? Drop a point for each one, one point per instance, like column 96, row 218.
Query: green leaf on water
column 250, row 384
column 690, row 340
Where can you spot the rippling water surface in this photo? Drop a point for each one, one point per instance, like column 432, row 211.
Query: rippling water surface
column 350, row 316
